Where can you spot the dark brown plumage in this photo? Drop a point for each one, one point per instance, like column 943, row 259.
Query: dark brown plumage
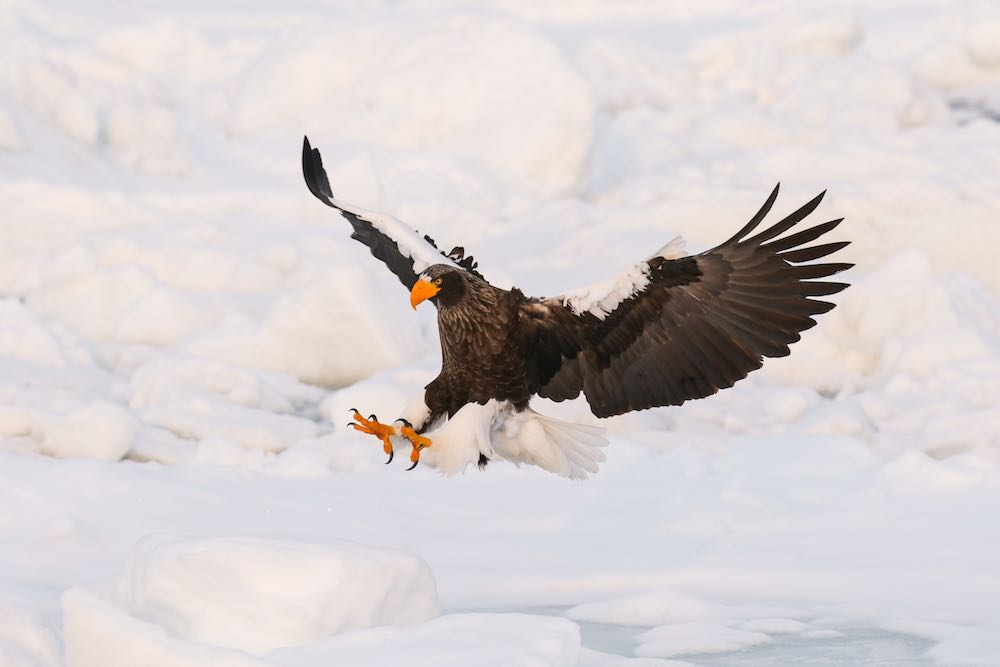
column 688, row 327
column 702, row 323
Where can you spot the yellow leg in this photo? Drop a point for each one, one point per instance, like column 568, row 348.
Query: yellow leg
column 371, row 426
column 418, row 441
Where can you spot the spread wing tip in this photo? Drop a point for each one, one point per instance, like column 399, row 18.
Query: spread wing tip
column 782, row 226
column 756, row 219
column 314, row 173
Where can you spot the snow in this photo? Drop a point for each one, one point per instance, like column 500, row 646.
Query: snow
column 699, row 638
column 982, row 41
column 10, row 138
column 257, row 595
column 492, row 640
column 97, row 633
column 99, row 430
column 537, row 107
column 258, row 603
column 183, row 330
column 25, row 641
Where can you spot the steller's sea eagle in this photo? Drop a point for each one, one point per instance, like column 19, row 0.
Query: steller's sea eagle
column 674, row 327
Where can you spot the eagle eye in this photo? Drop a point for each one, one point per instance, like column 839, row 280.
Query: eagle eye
column 437, row 281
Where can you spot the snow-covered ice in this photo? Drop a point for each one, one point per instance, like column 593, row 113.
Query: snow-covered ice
column 183, row 330
column 258, row 595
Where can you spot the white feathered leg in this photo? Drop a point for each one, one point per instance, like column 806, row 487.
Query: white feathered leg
column 457, row 442
column 417, row 413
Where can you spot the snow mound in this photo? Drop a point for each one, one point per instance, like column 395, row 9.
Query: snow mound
column 68, row 428
column 125, row 305
column 25, row 640
column 25, row 338
column 257, row 595
column 653, row 608
column 982, row 40
column 99, row 634
column 490, row 91
column 96, row 430
column 687, row 638
column 323, row 329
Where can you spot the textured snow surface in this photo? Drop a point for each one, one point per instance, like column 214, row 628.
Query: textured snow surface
column 184, row 328
column 258, row 595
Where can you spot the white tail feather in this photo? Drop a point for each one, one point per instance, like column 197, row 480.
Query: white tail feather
column 567, row 449
column 499, row 433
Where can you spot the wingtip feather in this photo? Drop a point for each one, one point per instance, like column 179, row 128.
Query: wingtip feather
column 314, row 173
column 757, row 218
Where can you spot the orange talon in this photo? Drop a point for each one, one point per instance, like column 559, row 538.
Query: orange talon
column 371, row 426
column 418, row 441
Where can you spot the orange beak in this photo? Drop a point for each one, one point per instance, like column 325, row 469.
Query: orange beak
column 422, row 291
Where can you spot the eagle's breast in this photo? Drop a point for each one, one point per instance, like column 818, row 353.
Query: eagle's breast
column 482, row 355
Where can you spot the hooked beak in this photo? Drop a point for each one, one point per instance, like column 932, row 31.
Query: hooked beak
column 422, row 290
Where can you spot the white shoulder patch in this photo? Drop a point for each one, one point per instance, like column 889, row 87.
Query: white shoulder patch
column 675, row 249
column 411, row 244
column 601, row 299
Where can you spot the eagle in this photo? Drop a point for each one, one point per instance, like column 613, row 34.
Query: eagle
column 672, row 328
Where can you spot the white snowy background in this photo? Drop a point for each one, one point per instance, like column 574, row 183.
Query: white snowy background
column 183, row 329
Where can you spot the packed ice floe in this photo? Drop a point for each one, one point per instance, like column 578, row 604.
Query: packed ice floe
column 183, row 331
column 255, row 603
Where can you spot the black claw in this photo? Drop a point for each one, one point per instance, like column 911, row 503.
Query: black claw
column 372, row 418
column 355, row 410
column 391, row 454
column 406, row 422
column 414, row 464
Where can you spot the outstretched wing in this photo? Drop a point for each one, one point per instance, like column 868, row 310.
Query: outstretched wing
column 678, row 328
column 397, row 245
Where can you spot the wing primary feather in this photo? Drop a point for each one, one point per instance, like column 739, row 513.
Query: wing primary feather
column 815, row 252
column 820, row 307
column 805, row 236
column 775, row 315
column 809, row 288
column 788, row 304
column 819, row 270
column 753, row 333
column 757, row 218
column 788, row 222
column 315, row 175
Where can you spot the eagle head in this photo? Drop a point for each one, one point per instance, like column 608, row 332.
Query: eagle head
column 444, row 285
